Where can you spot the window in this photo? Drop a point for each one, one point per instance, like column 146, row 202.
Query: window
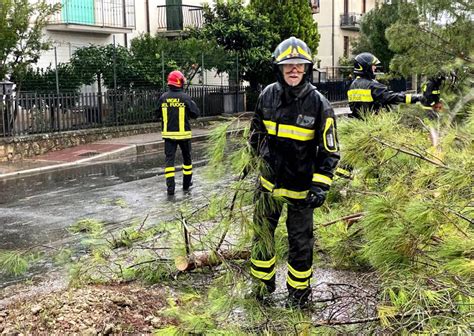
column 314, row 4
column 364, row 5
column 346, row 6
column 346, row 46
column 78, row 11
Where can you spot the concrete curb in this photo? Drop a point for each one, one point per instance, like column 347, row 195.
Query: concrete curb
column 115, row 154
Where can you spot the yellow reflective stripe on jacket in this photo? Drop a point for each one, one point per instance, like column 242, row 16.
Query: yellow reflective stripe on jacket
column 266, row 184
column 262, row 275
column 281, row 192
column 297, row 284
column 342, row 171
column 271, row 126
column 169, row 169
column 360, row 95
column 299, row 274
column 181, row 118
column 327, row 127
column 169, row 174
column 436, row 92
column 165, row 118
column 187, row 172
column 408, row 98
column 322, row 179
column 289, row 131
column 177, row 135
column 263, row 263
column 188, row 167
column 294, row 132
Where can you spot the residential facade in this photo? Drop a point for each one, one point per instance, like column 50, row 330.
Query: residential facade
column 101, row 22
column 338, row 25
column 81, row 23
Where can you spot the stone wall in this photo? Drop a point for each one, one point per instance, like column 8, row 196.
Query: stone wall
column 22, row 147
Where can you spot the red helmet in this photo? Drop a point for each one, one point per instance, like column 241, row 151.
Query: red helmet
column 176, row 78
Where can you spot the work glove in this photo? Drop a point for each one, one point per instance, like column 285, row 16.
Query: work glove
column 415, row 98
column 316, row 197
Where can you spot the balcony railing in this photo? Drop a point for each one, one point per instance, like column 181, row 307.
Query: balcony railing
column 351, row 21
column 100, row 16
column 175, row 18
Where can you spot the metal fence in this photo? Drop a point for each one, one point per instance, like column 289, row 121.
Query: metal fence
column 33, row 113
column 333, row 91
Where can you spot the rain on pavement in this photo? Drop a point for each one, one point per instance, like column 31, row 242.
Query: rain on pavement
column 37, row 209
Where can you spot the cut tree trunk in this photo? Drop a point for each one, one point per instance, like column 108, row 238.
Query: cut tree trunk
column 207, row 258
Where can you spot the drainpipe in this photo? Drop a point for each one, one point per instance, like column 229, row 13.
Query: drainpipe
column 332, row 34
column 125, row 39
column 147, row 15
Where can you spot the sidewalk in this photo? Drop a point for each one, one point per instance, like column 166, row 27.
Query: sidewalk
column 99, row 150
column 95, row 151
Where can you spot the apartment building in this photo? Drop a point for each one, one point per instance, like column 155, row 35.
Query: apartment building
column 84, row 22
column 339, row 24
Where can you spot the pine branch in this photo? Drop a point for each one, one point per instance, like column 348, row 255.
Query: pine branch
column 461, row 104
column 349, row 218
column 376, row 319
column 454, row 53
column 186, row 234
column 143, row 223
column 460, row 215
column 412, row 153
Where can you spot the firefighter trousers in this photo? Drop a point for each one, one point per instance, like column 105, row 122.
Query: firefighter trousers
column 170, row 154
column 299, row 225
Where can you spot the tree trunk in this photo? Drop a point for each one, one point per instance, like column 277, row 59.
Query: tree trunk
column 207, row 258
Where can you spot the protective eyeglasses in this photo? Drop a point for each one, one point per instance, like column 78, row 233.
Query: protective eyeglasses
column 300, row 67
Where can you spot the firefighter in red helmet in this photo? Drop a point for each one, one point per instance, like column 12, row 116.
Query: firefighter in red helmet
column 176, row 109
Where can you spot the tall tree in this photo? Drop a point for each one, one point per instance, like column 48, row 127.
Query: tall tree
column 44, row 80
column 434, row 35
column 107, row 65
column 372, row 32
column 21, row 37
column 247, row 36
column 151, row 53
column 290, row 18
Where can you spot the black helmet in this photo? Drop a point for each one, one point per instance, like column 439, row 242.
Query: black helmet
column 293, row 51
column 363, row 65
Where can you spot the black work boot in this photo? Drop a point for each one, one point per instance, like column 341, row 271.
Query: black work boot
column 262, row 290
column 298, row 298
column 170, row 185
column 187, row 182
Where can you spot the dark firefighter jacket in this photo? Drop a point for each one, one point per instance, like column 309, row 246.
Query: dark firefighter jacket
column 431, row 91
column 176, row 109
column 297, row 141
column 369, row 95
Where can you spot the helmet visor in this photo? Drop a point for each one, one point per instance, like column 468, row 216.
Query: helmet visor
column 294, row 61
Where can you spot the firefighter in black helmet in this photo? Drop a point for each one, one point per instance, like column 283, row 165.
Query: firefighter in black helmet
column 366, row 94
column 293, row 131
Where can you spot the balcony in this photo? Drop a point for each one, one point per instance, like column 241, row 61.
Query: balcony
column 351, row 21
column 94, row 16
column 173, row 19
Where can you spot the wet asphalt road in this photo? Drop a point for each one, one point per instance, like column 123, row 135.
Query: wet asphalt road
column 38, row 209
